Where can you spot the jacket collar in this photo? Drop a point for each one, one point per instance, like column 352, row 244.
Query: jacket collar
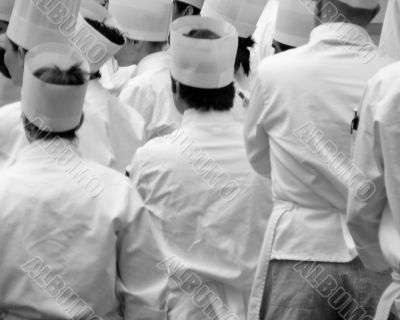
column 342, row 33
column 154, row 63
column 215, row 117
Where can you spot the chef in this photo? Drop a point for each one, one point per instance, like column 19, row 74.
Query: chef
column 373, row 209
column 146, row 25
column 210, row 207
column 102, row 136
column 75, row 238
column 298, row 132
column 244, row 15
column 8, row 91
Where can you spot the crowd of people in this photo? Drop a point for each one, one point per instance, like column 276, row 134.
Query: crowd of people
column 199, row 159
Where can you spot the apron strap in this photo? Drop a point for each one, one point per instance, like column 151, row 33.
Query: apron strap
column 390, row 295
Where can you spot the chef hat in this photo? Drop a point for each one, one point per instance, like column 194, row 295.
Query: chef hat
column 195, row 3
column 146, row 20
column 243, row 14
column 295, row 22
column 6, row 7
column 362, row 4
column 203, row 63
column 106, row 48
column 56, row 108
column 33, row 22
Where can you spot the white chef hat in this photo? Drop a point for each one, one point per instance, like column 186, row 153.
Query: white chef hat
column 195, row 3
column 294, row 22
column 146, row 20
column 56, row 108
column 105, row 48
column 243, row 14
column 362, row 4
column 6, row 7
column 203, row 63
column 33, row 22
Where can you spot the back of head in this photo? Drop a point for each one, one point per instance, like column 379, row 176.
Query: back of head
column 359, row 12
column 203, row 78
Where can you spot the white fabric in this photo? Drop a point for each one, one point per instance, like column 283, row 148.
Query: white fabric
column 311, row 194
column 150, row 94
column 203, row 63
column 110, row 134
column 146, row 20
column 195, row 3
column 243, row 14
column 9, row 92
column 295, row 22
column 114, row 78
column 53, row 107
column 210, row 207
column 102, row 247
column 376, row 155
column 363, row 4
column 263, row 36
column 96, row 12
column 33, row 22
column 6, row 7
column 390, row 38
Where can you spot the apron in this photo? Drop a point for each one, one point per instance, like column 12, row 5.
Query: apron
column 265, row 258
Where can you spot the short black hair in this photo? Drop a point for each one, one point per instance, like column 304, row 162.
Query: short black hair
column 15, row 47
column 181, row 6
column 281, row 47
column 112, row 34
column 55, row 75
column 243, row 55
column 220, row 99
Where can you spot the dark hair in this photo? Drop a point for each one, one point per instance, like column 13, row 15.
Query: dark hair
column 243, row 54
column 15, row 47
column 112, row 34
column 220, row 99
column 281, row 47
column 181, row 6
column 3, row 68
column 153, row 44
column 202, row 34
column 54, row 75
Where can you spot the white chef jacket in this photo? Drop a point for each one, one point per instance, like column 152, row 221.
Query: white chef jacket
column 110, row 134
column 9, row 92
column 318, row 84
column 150, row 93
column 264, row 34
column 182, row 178
column 114, row 78
column 377, row 155
column 390, row 37
column 58, row 238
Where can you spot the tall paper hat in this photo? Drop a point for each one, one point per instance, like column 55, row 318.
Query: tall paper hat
column 56, row 108
column 103, row 47
column 195, row 3
column 362, row 4
column 147, row 20
column 203, row 63
column 243, row 14
column 34, row 22
column 295, row 21
column 6, row 7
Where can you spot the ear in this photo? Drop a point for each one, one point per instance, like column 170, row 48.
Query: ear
column 189, row 11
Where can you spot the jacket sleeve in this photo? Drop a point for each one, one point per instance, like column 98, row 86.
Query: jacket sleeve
column 257, row 140
column 367, row 202
column 143, row 283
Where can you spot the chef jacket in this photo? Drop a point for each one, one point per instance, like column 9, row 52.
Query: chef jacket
column 75, row 240
column 150, row 94
column 209, row 206
column 298, row 131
